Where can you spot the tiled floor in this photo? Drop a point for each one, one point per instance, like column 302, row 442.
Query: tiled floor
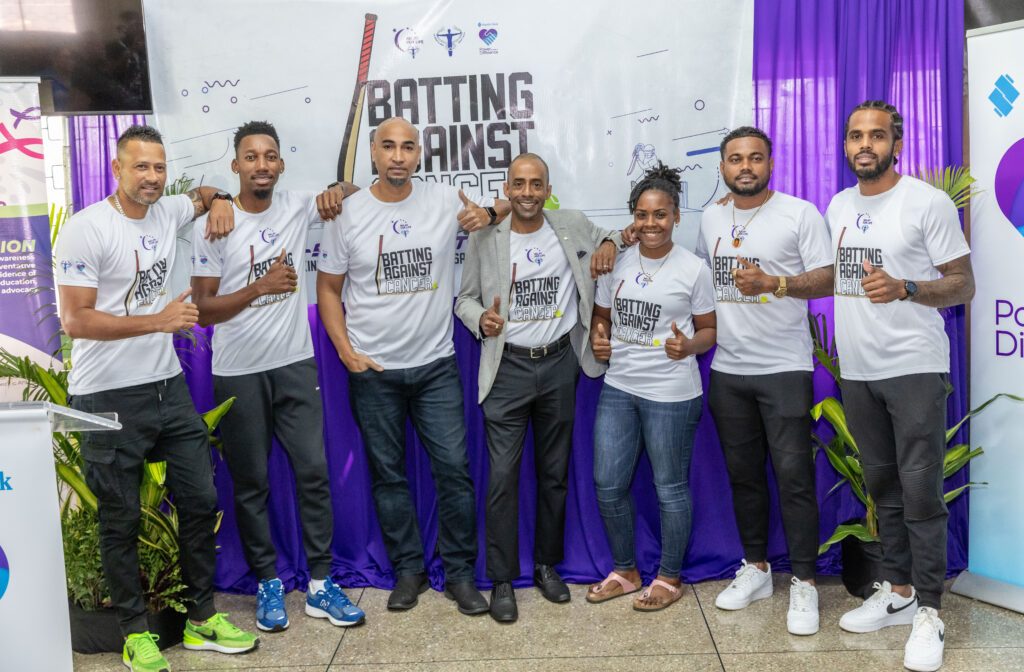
column 692, row 635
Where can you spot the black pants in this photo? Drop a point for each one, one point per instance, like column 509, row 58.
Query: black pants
column 160, row 423
column 757, row 416
column 899, row 425
column 282, row 402
column 542, row 391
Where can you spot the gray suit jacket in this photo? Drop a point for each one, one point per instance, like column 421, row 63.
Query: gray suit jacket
column 486, row 274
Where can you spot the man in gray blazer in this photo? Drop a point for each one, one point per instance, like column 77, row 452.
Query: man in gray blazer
column 528, row 293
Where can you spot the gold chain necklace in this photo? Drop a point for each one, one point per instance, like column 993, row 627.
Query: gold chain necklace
column 117, row 205
column 740, row 232
column 238, row 203
column 649, row 277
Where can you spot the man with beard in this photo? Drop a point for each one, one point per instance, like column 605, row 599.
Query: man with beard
column 115, row 259
column 392, row 254
column 535, row 273
column 900, row 254
column 769, row 253
column 263, row 356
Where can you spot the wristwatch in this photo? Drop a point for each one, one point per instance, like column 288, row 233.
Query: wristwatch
column 220, row 196
column 608, row 239
column 780, row 293
column 494, row 215
column 911, row 288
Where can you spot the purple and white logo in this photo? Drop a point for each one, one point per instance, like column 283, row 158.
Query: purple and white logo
column 203, row 259
column 535, row 255
column 65, row 265
column 407, row 41
column 863, row 221
column 488, row 35
column 401, row 227
column 268, row 236
column 643, row 279
column 5, row 572
column 449, row 37
column 148, row 242
column 80, row 266
column 1009, row 185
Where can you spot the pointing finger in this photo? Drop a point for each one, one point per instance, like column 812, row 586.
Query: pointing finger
column 184, row 295
column 462, row 197
column 497, row 304
column 745, row 263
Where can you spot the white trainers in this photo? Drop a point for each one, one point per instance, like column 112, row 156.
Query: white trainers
column 802, row 618
column 881, row 610
column 749, row 585
column 923, row 652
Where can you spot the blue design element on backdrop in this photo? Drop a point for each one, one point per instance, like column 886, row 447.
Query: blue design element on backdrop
column 1003, row 95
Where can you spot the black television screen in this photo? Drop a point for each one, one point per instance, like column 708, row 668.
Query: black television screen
column 91, row 54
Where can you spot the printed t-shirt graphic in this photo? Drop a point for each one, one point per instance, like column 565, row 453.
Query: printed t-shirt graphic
column 273, row 330
column 907, row 231
column 542, row 300
column 760, row 334
column 399, row 262
column 645, row 298
column 128, row 262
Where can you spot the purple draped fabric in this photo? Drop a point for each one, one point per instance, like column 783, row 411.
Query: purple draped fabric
column 813, row 62
column 93, row 141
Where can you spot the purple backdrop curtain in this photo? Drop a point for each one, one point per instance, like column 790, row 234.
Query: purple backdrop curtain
column 813, row 62
column 93, row 141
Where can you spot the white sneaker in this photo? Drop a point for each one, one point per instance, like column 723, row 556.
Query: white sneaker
column 802, row 618
column 881, row 610
column 923, row 652
column 749, row 585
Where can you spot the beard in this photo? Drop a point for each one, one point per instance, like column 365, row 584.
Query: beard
column 753, row 190
column 398, row 181
column 136, row 196
column 263, row 194
column 883, row 163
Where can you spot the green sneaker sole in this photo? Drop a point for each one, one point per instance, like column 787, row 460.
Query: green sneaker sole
column 193, row 643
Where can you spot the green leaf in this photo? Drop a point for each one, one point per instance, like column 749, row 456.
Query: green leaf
column 956, row 181
column 843, row 531
column 213, row 416
column 956, row 492
column 951, row 432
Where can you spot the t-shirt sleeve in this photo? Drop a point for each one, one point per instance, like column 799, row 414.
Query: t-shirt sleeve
column 182, row 209
column 943, row 238
column 334, row 249
column 206, row 255
column 814, row 240
column 702, row 300
column 79, row 254
column 310, row 213
column 603, row 295
column 701, row 250
column 475, row 196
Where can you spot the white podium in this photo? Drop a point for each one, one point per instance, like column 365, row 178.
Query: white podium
column 34, row 620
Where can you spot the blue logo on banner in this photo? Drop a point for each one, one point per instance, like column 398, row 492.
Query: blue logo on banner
column 5, row 572
column 5, row 482
column 1004, row 95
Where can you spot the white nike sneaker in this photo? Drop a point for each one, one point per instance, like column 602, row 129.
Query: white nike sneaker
column 923, row 652
column 802, row 618
column 749, row 585
column 881, row 610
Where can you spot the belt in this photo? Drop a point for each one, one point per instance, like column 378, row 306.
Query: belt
column 540, row 351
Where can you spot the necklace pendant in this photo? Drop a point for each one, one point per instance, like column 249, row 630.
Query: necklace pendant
column 736, row 242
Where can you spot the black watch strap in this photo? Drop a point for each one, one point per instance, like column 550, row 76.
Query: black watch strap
column 221, row 196
column 494, row 215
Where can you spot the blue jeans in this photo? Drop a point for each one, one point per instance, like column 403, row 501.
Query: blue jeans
column 431, row 396
column 626, row 424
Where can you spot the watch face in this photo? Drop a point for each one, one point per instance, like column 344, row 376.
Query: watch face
column 911, row 287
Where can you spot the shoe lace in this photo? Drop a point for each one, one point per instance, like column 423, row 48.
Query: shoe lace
column 503, row 589
column 744, row 575
column 222, row 625
column 146, row 650
column 337, row 595
column 800, row 595
column 273, row 594
column 881, row 595
column 926, row 625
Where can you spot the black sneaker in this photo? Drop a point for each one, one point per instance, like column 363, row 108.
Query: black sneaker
column 503, row 603
column 407, row 592
column 550, row 584
column 465, row 594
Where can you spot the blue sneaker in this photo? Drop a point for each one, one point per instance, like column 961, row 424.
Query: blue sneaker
column 333, row 604
column 270, row 613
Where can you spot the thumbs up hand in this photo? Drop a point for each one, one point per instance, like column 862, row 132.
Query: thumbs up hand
column 879, row 286
column 472, row 217
column 491, row 322
column 280, row 279
column 751, row 280
column 600, row 344
column 179, row 315
column 679, row 346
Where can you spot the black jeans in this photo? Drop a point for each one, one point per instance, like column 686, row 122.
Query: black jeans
column 159, row 423
column 542, row 391
column 899, row 425
column 431, row 396
column 282, row 402
column 757, row 416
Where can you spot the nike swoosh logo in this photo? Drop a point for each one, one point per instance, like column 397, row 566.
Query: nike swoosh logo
column 889, row 608
column 942, row 635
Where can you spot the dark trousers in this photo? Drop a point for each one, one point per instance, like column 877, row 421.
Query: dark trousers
column 282, row 402
column 542, row 391
column 160, row 423
column 431, row 396
column 758, row 416
column 899, row 425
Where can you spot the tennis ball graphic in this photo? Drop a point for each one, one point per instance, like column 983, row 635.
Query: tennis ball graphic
column 551, row 203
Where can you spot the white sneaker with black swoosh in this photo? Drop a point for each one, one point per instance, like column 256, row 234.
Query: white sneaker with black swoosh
column 881, row 610
column 923, row 652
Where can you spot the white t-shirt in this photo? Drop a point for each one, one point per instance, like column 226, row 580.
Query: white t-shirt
column 543, row 296
column 272, row 331
column 761, row 334
column 908, row 231
column 399, row 261
column 128, row 262
column 644, row 301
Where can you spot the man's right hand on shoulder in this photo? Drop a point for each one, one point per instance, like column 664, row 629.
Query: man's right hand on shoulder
column 179, row 315
column 357, row 362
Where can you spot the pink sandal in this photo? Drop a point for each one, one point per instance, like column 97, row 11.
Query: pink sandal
column 623, row 586
column 675, row 593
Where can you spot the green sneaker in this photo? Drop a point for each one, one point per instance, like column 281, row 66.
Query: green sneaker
column 141, row 654
column 218, row 634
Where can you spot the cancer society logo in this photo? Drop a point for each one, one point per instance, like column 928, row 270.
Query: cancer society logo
column 5, row 573
column 1009, row 185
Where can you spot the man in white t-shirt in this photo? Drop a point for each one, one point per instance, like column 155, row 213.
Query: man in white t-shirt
column 391, row 259
column 114, row 259
column 769, row 252
column 899, row 254
column 528, row 292
column 247, row 285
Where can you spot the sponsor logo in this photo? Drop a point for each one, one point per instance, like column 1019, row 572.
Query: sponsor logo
column 203, row 259
column 65, row 265
column 407, row 41
column 889, row 608
column 863, row 221
column 80, row 266
column 5, row 572
column 401, row 227
column 268, row 236
column 535, row 255
column 148, row 242
column 488, row 35
column 642, row 279
column 449, row 37
column 1009, row 185
column 1003, row 95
